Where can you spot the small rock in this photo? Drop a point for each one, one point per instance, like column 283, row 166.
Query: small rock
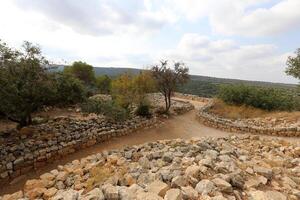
column 205, row 187
column 95, row 194
column 158, row 187
column 173, row 194
column 189, row 193
column 222, row 185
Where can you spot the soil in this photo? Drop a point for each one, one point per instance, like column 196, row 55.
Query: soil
column 183, row 126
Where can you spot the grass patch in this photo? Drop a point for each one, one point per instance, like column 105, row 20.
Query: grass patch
column 243, row 112
column 98, row 175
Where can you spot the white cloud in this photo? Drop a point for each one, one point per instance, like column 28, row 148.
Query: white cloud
column 251, row 62
column 100, row 17
column 243, row 17
column 64, row 35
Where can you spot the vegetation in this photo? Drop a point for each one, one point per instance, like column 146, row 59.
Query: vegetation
column 108, row 108
column 168, row 79
column 103, row 84
column 25, row 84
column 82, row 71
column 259, row 97
column 28, row 83
column 143, row 110
column 68, row 89
column 243, row 112
column 128, row 89
column 293, row 65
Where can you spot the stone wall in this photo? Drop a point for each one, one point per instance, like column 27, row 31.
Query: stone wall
column 191, row 97
column 240, row 126
column 35, row 146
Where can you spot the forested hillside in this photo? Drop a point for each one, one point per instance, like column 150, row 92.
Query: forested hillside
column 198, row 85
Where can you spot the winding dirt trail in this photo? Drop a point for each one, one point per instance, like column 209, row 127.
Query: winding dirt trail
column 184, row 126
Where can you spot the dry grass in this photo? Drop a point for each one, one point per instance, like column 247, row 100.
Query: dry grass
column 98, row 175
column 243, row 112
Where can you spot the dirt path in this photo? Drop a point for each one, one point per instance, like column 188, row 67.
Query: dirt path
column 184, row 126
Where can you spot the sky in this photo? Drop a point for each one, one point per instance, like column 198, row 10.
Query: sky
column 243, row 39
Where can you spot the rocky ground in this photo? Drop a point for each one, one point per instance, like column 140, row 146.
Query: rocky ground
column 245, row 167
column 272, row 122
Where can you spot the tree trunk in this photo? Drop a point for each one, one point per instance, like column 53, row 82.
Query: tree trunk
column 166, row 102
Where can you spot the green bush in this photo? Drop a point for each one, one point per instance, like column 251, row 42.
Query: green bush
column 67, row 89
column 108, row 108
column 259, row 97
column 143, row 110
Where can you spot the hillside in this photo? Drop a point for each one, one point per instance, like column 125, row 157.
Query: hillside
column 198, row 85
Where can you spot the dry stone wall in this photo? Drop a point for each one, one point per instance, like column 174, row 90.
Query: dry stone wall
column 33, row 147
column 241, row 126
column 192, row 97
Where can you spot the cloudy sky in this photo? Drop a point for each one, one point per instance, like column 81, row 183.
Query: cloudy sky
column 245, row 39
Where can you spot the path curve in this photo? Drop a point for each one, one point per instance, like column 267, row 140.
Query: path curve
column 183, row 126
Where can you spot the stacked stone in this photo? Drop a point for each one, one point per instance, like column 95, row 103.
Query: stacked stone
column 243, row 125
column 233, row 168
column 44, row 143
column 192, row 97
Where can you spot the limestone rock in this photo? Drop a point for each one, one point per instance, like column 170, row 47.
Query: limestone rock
column 205, row 187
column 158, row 187
column 173, row 194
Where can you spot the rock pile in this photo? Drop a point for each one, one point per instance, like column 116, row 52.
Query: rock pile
column 258, row 126
column 233, row 168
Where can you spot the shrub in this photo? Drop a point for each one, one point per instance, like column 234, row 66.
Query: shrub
column 259, row 97
column 68, row 89
column 103, row 84
column 82, row 71
column 108, row 108
column 143, row 110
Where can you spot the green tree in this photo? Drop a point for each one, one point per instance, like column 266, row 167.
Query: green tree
column 168, row 79
column 103, row 84
column 25, row 83
column 82, row 71
column 122, row 90
column 67, row 89
column 143, row 83
column 293, row 65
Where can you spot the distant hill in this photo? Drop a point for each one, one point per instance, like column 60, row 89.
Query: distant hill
column 110, row 71
column 198, row 85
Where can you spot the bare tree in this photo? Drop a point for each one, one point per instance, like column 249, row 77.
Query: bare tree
column 168, row 79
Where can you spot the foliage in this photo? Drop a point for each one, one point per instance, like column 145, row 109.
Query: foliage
column 143, row 83
column 108, row 108
column 128, row 89
column 200, row 88
column 82, row 71
column 259, row 97
column 143, row 110
column 103, row 84
column 25, row 83
column 67, row 89
column 122, row 90
column 293, row 65
column 168, row 79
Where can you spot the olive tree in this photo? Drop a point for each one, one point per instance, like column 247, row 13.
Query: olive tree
column 167, row 79
column 293, row 65
column 24, row 82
